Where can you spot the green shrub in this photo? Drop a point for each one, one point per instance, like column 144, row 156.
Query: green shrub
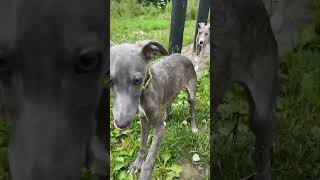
column 157, row 3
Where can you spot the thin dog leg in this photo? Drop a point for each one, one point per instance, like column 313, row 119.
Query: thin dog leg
column 192, row 89
column 98, row 158
column 149, row 163
column 262, row 128
column 262, row 124
column 136, row 165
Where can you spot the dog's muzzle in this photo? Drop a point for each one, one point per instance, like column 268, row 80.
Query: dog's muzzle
column 199, row 47
column 118, row 127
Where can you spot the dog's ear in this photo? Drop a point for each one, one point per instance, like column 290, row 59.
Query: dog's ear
column 150, row 48
column 201, row 25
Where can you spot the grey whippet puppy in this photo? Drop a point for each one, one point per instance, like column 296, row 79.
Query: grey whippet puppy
column 149, row 91
column 244, row 50
column 52, row 67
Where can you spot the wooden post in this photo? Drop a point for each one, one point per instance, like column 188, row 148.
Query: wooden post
column 178, row 17
column 203, row 13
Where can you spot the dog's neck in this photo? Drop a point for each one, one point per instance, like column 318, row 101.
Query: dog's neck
column 148, row 79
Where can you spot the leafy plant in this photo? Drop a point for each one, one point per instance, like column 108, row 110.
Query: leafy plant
column 157, row 3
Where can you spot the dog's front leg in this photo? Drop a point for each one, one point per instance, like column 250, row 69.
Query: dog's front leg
column 136, row 165
column 99, row 158
column 149, row 163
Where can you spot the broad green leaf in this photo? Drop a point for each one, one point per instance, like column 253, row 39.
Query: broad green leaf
column 172, row 175
column 166, row 156
column 118, row 165
column 175, row 168
column 125, row 176
column 119, row 159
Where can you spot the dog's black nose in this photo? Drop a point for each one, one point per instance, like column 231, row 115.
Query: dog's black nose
column 122, row 125
column 201, row 42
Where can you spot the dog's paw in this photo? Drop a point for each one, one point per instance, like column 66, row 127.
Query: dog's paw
column 135, row 166
column 194, row 130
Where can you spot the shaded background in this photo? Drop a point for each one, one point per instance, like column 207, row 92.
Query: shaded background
column 297, row 134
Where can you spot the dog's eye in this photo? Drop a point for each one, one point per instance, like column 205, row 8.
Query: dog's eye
column 88, row 62
column 207, row 34
column 137, row 81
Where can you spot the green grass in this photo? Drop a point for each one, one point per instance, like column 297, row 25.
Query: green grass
column 179, row 144
column 131, row 22
column 4, row 139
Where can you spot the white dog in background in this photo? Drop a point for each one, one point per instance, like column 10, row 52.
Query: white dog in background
column 203, row 38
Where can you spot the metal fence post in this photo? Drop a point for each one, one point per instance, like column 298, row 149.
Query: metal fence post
column 178, row 17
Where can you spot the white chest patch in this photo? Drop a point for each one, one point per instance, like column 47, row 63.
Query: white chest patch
column 142, row 113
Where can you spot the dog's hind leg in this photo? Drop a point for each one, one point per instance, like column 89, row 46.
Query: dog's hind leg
column 99, row 158
column 192, row 89
column 262, row 104
column 261, row 125
column 168, row 112
column 136, row 165
column 98, row 148
column 149, row 163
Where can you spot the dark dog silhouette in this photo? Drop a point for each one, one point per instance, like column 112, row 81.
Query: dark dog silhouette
column 52, row 66
column 244, row 50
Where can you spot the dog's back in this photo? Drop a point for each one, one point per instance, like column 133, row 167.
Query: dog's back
column 243, row 36
column 174, row 66
column 170, row 75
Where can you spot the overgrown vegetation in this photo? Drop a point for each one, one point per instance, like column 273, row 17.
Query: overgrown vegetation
column 297, row 135
column 4, row 139
column 179, row 144
column 157, row 3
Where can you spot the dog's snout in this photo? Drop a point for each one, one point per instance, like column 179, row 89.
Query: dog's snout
column 121, row 124
column 124, row 110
